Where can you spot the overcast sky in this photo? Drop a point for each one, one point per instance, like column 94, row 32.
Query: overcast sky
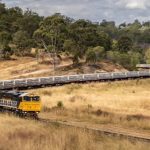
column 95, row 10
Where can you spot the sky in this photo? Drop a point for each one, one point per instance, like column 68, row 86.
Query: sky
column 94, row 10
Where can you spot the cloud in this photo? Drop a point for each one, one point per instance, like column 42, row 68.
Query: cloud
column 134, row 4
column 95, row 10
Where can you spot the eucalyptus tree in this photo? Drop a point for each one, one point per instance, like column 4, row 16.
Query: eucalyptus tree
column 53, row 31
column 52, row 34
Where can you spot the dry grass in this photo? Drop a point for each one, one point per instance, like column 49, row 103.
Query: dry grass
column 130, row 97
column 21, row 134
column 18, row 66
column 125, row 103
column 25, row 67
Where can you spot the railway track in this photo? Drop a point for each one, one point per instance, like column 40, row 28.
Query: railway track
column 108, row 130
column 67, row 79
column 112, row 131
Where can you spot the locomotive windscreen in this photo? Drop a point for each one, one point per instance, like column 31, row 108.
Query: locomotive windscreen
column 32, row 98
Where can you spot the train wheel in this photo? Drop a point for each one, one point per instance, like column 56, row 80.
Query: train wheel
column 2, row 110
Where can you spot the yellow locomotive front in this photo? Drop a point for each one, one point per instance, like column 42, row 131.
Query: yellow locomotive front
column 22, row 103
column 30, row 103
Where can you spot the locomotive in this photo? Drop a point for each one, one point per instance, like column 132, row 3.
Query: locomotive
column 21, row 103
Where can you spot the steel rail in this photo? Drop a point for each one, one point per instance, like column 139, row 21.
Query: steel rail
column 113, row 131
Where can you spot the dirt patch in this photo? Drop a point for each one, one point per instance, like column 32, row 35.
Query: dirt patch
column 26, row 67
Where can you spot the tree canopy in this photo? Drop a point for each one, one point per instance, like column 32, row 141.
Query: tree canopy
column 21, row 30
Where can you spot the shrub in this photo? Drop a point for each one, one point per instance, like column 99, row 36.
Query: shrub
column 128, row 60
column 47, row 93
column 147, row 56
column 60, row 104
column 6, row 52
column 93, row 55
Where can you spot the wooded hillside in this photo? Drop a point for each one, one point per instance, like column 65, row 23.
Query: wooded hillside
column 125, row 44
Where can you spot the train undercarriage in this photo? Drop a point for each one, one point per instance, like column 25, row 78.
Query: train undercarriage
column 19, row 113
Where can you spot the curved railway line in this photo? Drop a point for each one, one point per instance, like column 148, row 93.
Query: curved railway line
column 67, row 79
column 106, row 130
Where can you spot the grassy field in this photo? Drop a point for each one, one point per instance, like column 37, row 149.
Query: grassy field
column 125, row 96
column 125, row 103
column 26, row 135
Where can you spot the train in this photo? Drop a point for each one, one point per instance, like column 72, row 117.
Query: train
column 25, row 104
column 22, row 104
column 56, row 80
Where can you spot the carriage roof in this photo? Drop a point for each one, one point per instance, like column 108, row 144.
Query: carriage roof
column 13, row 93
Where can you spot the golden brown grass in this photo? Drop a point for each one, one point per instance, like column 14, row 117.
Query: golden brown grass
column 25, row 67
column 123, row 102
column 21, row 134
column 123, row 96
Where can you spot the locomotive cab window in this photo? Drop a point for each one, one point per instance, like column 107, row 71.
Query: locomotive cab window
column 33, row 98
column 27, row 98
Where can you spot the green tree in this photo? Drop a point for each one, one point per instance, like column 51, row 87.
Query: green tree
column 94, row 55
column 125, row 44
column 109, row 28
column 113, row 56
column 72, row 49
column 105, row 41
column 23, row 43
column 53, row 31
column 147, row 56
column 5, row 38
column 84, row 34
column 145, row 37
column 128, row 60
column 146, row 24
column 29, row 22
column 2, row 8
column 135, row 58
column 13, row 18
column 5, row 52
